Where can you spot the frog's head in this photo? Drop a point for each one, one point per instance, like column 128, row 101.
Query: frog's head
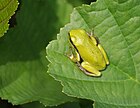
column 77, row 36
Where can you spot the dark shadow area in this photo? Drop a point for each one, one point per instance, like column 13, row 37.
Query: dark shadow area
column 13, row 21
column 5, row 104
column 83, row 103
column 89, row 1
column 80, row 2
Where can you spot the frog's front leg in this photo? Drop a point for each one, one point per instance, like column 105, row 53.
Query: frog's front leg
column 90, row 70
column 73, row 54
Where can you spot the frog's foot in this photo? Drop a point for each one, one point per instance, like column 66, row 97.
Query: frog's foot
column 90, row 33
column 89, row 70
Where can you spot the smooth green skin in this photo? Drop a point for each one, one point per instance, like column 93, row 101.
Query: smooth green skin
column 93, row 55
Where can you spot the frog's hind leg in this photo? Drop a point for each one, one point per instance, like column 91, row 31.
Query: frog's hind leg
column 104, row 53
column 89, row 70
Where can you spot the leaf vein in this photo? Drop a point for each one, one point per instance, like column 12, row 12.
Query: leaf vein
column 124, row 39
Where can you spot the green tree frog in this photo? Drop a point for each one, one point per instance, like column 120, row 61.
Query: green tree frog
column 87, row 53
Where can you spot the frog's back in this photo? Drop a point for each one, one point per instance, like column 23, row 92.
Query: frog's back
column 92, row 55
column 87, row 49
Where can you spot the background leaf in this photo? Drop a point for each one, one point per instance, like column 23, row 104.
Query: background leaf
column 117, row 25
column 66, row 105
column 7, row 9
column 23, row 63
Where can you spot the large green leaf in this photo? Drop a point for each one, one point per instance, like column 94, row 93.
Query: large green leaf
column 23, row 64
column 117, row 25
column 7, row 8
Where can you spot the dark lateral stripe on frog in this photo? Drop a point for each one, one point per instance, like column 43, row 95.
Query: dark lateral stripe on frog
column 81, row 60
